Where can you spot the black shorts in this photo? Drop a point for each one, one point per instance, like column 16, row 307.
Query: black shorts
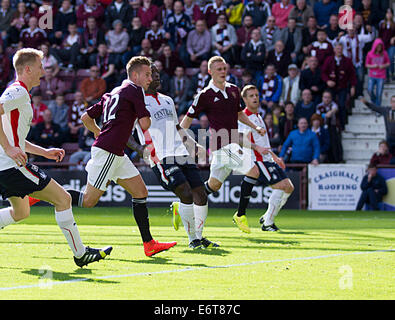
column 172, row 174
column 19, row 182
column 270, row 173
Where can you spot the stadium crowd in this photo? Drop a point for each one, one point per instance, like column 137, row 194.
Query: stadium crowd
column 307, row 69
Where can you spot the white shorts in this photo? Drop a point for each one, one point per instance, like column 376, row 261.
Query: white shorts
column 228, row 158
column 104, row 167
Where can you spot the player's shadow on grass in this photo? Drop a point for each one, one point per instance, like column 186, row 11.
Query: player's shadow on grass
column 168, row 261
column 63, row 276
column 209, row 252
column 264, row 241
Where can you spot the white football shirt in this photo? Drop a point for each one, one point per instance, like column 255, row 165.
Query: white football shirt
column 255, row 137
column 17, row 118
column 165, row 137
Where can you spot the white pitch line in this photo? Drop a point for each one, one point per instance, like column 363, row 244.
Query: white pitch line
column 53, row 283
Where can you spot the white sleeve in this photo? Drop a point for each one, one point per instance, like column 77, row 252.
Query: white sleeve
column 13, row 98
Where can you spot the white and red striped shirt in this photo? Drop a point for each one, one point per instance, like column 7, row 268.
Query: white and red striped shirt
column 17, row 118
column 255, row 137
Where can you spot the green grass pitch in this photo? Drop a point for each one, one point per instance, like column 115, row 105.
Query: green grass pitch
column 317, row 255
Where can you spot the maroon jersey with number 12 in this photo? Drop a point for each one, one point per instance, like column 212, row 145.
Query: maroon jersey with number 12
column 120, row 109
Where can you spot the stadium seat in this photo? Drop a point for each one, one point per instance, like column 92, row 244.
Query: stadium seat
column 82, row 73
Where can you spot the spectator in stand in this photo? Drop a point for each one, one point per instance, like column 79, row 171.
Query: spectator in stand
column 301, row 13
column 389, row 119
column 76, row 110
column 177, row 25
column 338, row 73
column 117, row 42
column 382, row 156
column 291, row 91
column 42, row 7
column 309, row 34
column 91, row 38
column 212, row 11
column 333, row 29
column 136, row 35
column 119, row 10
column 93, row 87
column 198, row 82
column 244, row 32
column 281, row 11
column 353, row 45
column 253, row 54
column 268, row 33
column 147, row 51
column 230, row 77
column 6, row 17
column 310, row 78
column 33, row 36
column 82, row 156
column 270, row 87
column 170, row 60
column 287, row 122
column 67, row 53
column 373, row 188
column 38, row 108
column 224, row 39
column 306, row 107
column 179, row 90
column 259, row 10
column 147, row 13
column 323, row 9
column 50, row 86
column 157, row 36
column 291, row 36
column 371, row 14
column 192, row 10
column 280, row 58
column 60, row 112
column 5, row 67
column 47, row 134
column 317, row 126
column 387, row 34
column 19, row 22
column 304, row 144
column 134, row 7
column 199, row 44
column 234, row 12
column 90, row 8
column 164, row 79
column 321, row 48
column 329, row 110
column 49, row 61
column 63, row 18
column 164, row 10
column 377, row 61
column 104, row 61
column 272, row 131
column 246, row 78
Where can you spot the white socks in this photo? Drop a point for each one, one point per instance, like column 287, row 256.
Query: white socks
column 188, row 219
column 200, row 218
column 69, row 228
column 274, row 207
column 6, row 217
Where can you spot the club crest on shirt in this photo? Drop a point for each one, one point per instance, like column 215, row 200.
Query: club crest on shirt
column 234, row 94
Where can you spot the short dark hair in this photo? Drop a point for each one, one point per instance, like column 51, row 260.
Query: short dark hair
column 135, row 63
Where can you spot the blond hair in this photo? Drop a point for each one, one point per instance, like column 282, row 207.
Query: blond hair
column 25, row 57
column 247, row 88
column 136, row 62
column 214, row 60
